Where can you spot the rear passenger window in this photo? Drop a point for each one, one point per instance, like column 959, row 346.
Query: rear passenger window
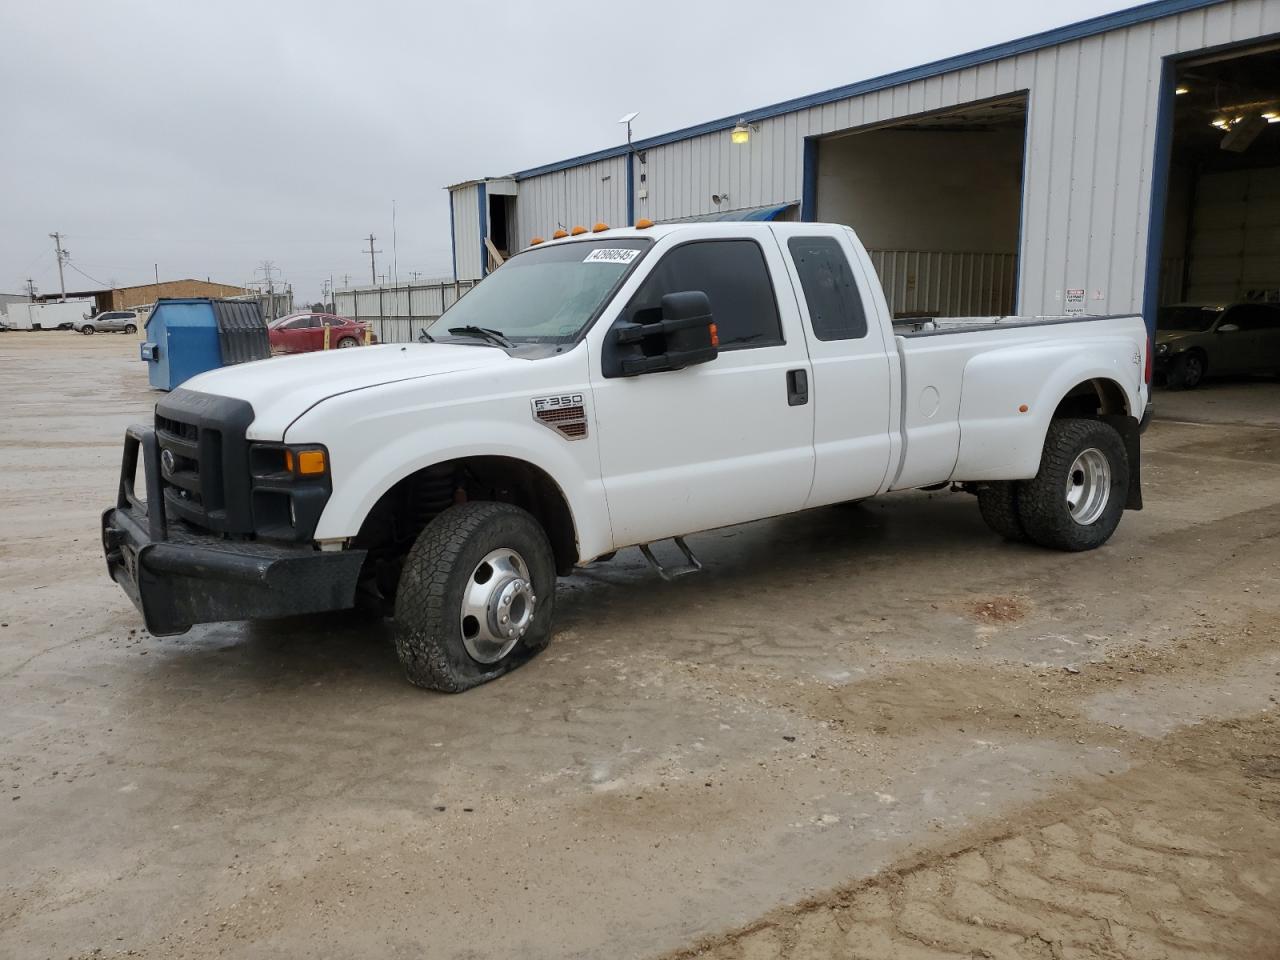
column 835, row 305
column 733, row 275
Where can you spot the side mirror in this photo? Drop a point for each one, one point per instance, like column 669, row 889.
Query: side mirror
column 1228, row 328
column 683, row 335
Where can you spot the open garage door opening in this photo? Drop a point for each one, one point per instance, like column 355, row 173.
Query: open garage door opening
column 1219, row 293
column 937, row 200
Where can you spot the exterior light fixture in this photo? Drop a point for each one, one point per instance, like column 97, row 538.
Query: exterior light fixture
column 1181, row 90
column 742, row 132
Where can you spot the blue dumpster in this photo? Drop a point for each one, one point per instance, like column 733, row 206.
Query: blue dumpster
column 186, row 336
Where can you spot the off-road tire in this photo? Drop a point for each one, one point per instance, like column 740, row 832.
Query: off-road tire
column 428, row 601
column 1186, row 372
column 130, row 328
column 1042, row 503
column 87, row 330
column 346, row 343
column 998, row 503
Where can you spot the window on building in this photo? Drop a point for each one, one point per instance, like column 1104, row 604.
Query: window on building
column 835, row 305
column 735, row 278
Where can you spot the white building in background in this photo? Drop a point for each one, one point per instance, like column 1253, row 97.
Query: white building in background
column 1102, row 167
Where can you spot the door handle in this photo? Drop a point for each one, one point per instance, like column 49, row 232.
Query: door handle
column 797, row 388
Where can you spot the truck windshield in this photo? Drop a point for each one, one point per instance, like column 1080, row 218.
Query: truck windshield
column 548, row 294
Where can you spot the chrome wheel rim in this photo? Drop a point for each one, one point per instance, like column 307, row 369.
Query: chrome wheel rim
column 1088, row 486
column 497, row 605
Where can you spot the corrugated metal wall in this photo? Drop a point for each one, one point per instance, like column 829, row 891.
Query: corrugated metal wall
column 583, row 195
column 947, row 284
column 398, row 313
column 466, row 231
column 1090, row 146
column 1091, row 140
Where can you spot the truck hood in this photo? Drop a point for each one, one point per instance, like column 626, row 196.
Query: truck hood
column 282, row 388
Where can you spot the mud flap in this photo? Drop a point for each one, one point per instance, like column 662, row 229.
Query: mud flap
column 1131, row 433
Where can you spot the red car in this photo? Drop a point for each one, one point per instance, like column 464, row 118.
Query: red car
column 304, row 332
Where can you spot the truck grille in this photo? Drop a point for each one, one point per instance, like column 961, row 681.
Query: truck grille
column 204, row 460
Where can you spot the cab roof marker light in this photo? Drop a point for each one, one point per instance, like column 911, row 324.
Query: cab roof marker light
column 644, row 223
column 600, row 227
column 535, row 241
column 559, row 235
column 578, row 231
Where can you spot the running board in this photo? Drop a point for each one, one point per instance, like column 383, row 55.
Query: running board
column 671, row 573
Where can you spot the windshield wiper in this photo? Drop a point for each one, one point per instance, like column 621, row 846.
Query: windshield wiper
column 484, row 333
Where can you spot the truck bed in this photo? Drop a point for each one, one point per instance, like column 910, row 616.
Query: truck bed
column 988, row 373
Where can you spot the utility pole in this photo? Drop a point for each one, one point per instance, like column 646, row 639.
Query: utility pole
column 346, row 280
column 268, row 268
column 373, row 262
column 395, row 260
column 31, row 290
column 63, row 257
column 414, row 274
column 157, row 269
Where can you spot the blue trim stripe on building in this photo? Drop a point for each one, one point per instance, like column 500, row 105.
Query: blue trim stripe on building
column 484, row 228
column 1159, row 192
column 1049, row 38
column 809, row 181
column 631, row 188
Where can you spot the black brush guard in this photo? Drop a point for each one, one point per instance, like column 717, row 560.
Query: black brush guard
column 178, row 576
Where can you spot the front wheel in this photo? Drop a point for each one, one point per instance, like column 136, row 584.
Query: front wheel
column 347, row 343
column 130, row 328
column 475, row 597
column 1186, row 371
column 87, row 330
column 1076, row 499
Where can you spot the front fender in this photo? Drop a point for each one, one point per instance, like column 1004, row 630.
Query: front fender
column 999, row 440
column 371, row 458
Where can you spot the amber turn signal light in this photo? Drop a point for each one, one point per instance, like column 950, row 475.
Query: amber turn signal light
column 715, row 335
column 310, row 462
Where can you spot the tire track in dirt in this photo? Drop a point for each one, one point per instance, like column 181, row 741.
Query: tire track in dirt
column 1178, row 858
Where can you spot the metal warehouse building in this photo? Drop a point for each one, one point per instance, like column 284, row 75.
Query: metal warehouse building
column 1103, row 167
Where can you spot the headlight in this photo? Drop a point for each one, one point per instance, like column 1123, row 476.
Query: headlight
column 289, row 486
column 1162, row 349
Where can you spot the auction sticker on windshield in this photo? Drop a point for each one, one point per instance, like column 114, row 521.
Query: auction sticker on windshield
column 611, row 255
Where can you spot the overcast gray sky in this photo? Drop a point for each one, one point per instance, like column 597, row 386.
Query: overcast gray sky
column 208, row 137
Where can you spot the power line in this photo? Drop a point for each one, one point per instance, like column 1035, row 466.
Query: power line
column 86, row 276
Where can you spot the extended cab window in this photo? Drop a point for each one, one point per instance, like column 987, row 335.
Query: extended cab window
column 733, row 275
column 835, row 305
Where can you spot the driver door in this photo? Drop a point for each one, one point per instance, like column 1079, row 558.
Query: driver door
column 721, row 442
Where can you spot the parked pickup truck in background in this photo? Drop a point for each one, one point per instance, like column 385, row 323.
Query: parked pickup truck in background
column 603, row 391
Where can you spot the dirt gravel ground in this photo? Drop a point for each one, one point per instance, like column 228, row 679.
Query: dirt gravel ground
column 872, row 731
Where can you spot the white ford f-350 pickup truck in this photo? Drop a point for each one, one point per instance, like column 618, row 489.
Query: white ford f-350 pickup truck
column 605, row 390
